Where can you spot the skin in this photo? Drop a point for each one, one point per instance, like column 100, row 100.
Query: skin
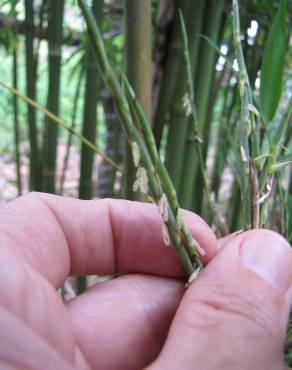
column 231, row 317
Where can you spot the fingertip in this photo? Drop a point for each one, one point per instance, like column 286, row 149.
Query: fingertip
column 203, row 235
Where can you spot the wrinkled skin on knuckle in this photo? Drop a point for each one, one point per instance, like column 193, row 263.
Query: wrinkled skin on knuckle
column 236, row 304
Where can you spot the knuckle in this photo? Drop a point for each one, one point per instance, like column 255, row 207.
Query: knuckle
column 227, row 305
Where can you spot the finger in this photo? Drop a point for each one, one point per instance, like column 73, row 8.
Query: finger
column 22, row 348
column 131, row 314
column 60, row 236
column 235, row 314
column 227, row 239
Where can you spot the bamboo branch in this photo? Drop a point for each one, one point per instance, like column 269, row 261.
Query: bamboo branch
column 246, row 125
column 61, row 123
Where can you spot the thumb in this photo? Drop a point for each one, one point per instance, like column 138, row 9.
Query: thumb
column 234, row 316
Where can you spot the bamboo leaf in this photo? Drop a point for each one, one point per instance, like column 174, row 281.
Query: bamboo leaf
column 284, row 161
column 273, row 63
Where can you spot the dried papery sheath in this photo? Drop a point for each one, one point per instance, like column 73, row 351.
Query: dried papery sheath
column 243, row 154
column 165, row 234
column 141, row 182
column 193, row 277
column 179, row 219
column 136, row 153
column 69, row 291
column 163, row 207
column 253, row 109
column 199, row 248
column 187, row 104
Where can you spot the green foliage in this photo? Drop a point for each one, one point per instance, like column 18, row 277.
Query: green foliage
column 273, row 64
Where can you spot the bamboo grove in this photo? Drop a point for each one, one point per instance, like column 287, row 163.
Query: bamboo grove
column 181, row 103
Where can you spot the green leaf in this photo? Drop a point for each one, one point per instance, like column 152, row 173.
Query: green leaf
column 284, row 161
column 273, row 64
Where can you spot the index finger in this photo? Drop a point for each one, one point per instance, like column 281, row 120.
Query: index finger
column 62, row 236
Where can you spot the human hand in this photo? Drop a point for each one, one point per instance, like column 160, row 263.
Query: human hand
column 229, row 318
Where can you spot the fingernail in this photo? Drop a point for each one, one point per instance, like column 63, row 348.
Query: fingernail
column 270, row 256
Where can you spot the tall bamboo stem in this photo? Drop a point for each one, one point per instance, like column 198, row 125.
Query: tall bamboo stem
column 55, row 25
column 70, row 134
column 34, row 158
column 204, row 79
column 171, row 73
column 92, row 86
column 15, row 109
column 180, row 117
column 138, row 71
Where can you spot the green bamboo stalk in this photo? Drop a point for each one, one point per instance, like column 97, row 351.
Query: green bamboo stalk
column 15, row 106
column 146, row 173
column 178, row 127
column 204, row 87
column 139, row 73
column 55, row 24
column 89, row 128
column 172, row 71
column 203, row 73
column 190, row 96
column 35, row 179
column 70, row 135
column 56, row 120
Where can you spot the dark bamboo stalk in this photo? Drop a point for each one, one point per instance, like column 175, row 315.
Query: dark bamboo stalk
column 204, row 80
column 16, row 109
column 165, row 17
column 113, row 148
column 34, row 159
column 89, row 127
column 55, row 25
column 70, row 134
column 139, row 73
column 171, row 73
